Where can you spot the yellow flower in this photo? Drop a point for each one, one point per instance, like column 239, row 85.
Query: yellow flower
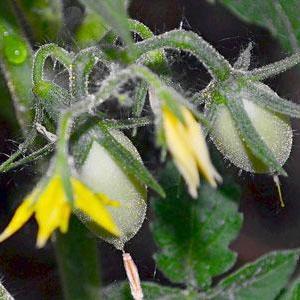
column 52, row 209
column 188, row 148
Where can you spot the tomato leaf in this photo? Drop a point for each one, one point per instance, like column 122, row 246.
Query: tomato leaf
column 193, row 235
column 262, row 279
column 293, row 292
column 280, row 17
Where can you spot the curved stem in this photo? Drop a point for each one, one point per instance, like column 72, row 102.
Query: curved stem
column 216, row 64
column 42, row 54
column 164, row 92
column 82, row 66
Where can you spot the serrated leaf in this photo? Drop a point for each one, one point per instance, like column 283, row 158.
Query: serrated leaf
column 262, row 279
column 280, row 17
column 114, row 14
column 151, row 291
column 193, row 235
column 293, row 292
column 128, row 162
column 250, row 136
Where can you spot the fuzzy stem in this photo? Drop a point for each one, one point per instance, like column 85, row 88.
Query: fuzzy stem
column 82, row 66
column 164, row 92
column 129, row 123
column 77, row 258
column 42, row 54
column 216, row 64
column 12, row 164
column 275, row 68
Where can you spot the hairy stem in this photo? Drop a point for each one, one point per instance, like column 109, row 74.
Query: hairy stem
column 77, row 258
column 216, row 64
column 275, row 68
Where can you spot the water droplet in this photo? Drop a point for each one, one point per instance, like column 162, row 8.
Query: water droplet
column 15, row 50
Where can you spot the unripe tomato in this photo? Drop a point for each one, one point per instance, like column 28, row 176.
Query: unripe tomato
column 274, row 129
column 103, row 174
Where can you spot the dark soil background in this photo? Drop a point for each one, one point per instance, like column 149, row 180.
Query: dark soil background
column 29, row 273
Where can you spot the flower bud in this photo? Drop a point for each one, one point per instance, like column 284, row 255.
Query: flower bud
column 104, row 175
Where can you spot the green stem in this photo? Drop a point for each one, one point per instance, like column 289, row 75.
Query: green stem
column 216, row 64
column 77, row 258
column 275, row 68
column 129, row 123
column 12, row 164
column 164, row 92
column 82, row 66
column 42, row 54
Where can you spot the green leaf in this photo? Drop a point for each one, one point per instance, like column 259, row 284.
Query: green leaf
column 193, row 235
column 262, row 279
column 16, row 64
column 91, row 30
column 280, row 17
column 44, row 17
column 293, row 292
column 4, row 294
column 129, row 163
column 151, row 291
column 114, row 14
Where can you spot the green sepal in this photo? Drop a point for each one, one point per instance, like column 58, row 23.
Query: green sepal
column 127, row 161
column 99, row 132
column 249, row 134
column 267, row 98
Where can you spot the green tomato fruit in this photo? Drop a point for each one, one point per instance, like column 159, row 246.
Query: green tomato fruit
column 274, row 129
column 103, row 174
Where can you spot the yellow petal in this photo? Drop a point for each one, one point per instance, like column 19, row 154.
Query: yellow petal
column 198, row 145
column 93, row 206
column 21, row 216
column 52, row 210
column 176, row 138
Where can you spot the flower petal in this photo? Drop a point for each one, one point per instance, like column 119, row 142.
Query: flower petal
column 52, row 210
column 21, row 216
column 176, row 137
column 198, row 145
column 94, row 206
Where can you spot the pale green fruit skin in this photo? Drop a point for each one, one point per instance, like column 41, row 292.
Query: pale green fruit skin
column 104, row 175
column 274, row 129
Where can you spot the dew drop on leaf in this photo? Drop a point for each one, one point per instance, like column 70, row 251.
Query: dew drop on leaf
column 15, row 50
